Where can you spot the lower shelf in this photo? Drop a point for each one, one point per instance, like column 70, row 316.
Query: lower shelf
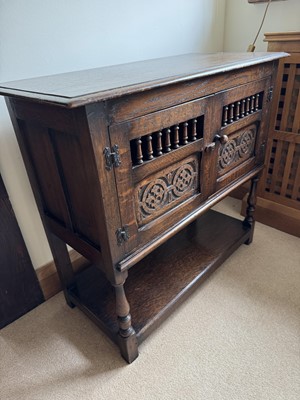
column 163, row 279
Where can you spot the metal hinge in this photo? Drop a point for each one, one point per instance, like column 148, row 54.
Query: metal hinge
column 112, row 157
column 122, row 234
column 270, row 94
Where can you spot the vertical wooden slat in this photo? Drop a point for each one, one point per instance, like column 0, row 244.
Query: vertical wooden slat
column 288, row 97
column 266, row 174
column 275, row 110
column 287, row 169
column 276, row 165
column 296, row 122
column 296, row 186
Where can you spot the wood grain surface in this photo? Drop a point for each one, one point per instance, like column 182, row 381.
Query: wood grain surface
column 82, row 87
column 163, row 279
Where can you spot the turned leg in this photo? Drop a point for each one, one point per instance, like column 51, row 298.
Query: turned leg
column 249, row 221
column 63, row 264
column 127, row 336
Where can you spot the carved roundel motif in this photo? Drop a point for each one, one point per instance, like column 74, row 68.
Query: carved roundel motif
column 247, row 143
column 227, row 153
column 154, row 196
column 183, row 179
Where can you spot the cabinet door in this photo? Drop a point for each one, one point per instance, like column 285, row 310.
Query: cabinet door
column 161, row 177
column 241, row 115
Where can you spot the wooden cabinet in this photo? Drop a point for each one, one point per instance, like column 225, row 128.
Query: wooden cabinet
column 125, row 161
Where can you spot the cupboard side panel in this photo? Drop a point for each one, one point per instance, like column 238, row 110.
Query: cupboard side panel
column 59, row 175
column 39, row 147
column 78, row 186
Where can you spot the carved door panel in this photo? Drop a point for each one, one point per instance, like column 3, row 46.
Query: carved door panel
column 239, row 131
column 161, row 177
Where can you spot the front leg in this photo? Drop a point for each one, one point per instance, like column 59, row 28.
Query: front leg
column 249, row 220
column 127, row 337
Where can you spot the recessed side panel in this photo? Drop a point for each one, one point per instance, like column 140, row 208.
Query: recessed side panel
column 40, row 148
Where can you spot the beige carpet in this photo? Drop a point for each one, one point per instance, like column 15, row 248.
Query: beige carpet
column 237, row 337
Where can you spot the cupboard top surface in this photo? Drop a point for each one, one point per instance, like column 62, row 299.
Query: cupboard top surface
column 82, row 87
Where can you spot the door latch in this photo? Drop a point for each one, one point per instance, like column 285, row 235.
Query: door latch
column 210, row 147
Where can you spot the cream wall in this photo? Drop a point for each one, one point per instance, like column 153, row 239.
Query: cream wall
column 52, row 36
column 243, row 19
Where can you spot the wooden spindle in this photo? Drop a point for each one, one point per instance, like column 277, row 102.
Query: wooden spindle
column 167, row 147
column 237, row 110
column 158, row 144
column 225, row 115
column 257, row 102
column 252, row 108
column 176, row 137
column 248, row 100
column 149, row 147
column 194, row 130
column 139, row 151
column 185, row 135
column 243, row 108
column 231, row 112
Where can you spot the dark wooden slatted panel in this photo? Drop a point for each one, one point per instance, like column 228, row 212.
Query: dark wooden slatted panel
column 288, row 111
column 283, row 171
column 282, row 181
column 19, row 288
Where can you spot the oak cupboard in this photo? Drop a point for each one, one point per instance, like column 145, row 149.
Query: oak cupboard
column 125, row 163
